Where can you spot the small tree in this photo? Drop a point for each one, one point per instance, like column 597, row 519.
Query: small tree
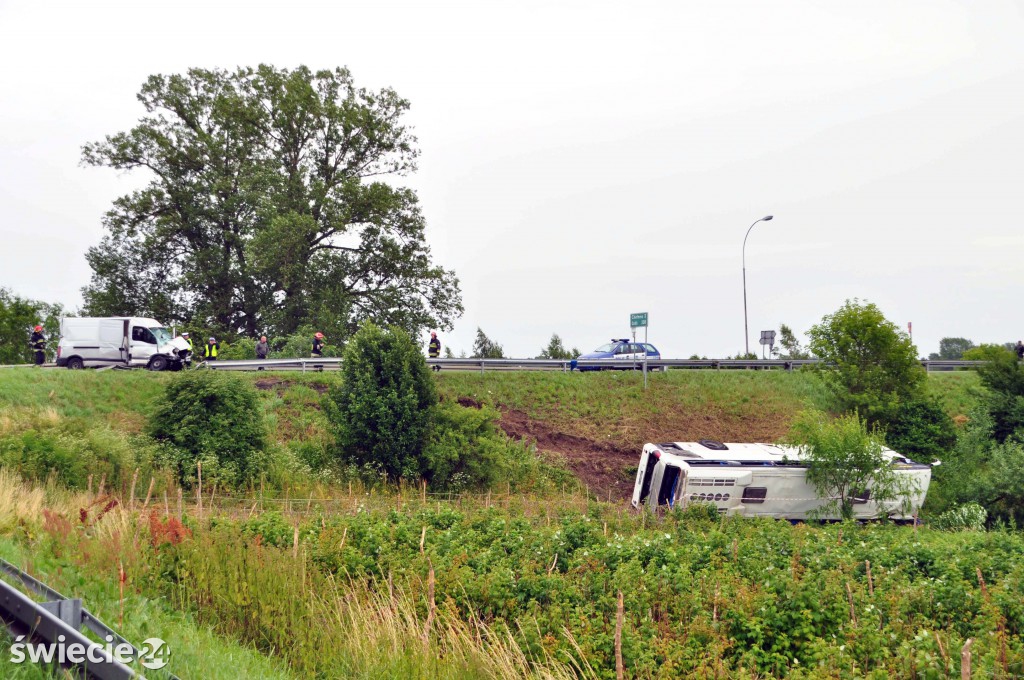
column 556, row 350
column 844, row 462
column 383, row 410
column 791, row 348
column 216, row 418
column 1004, row 377
column 485, row 348
column 869, row 364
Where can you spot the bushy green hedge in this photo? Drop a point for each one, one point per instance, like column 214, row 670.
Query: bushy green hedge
column 216, row 418
column 70, row 451
column 383, row 410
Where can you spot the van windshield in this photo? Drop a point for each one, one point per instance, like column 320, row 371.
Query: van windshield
column 163, row 336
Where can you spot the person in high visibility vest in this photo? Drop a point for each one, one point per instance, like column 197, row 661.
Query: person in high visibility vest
column 38, row 343
column 189, row 341
column 434, row 349
column 211, row 349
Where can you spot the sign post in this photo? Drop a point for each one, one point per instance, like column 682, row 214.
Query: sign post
column 639, row 320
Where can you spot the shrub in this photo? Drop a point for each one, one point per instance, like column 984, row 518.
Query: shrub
column 988, row 352
column 300, row 345
column 216, row 418
column 844, row 459
column 243, row 348
column 921, row 429
column 967, row 517
column 1004, row 377
column 382, row 411
column 43, row 445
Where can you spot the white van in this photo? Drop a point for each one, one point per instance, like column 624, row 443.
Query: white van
column 757, row 480
column 119, row 340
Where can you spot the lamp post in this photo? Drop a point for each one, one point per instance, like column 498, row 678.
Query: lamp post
column 746, row 333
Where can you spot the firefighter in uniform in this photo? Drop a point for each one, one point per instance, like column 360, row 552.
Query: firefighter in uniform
column 38, row 343
column 434, row 349
column 211, row 349
column 318, row 346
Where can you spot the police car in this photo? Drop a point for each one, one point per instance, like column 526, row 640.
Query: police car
column 620, row 353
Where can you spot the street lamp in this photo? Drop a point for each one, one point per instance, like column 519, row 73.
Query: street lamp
column 746, row 333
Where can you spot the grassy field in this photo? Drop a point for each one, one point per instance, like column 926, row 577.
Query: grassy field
column 497, row 584
column 593, row 424
column 518, row 586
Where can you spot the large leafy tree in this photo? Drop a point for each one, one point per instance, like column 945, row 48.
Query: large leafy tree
column 952, row 348
column 870, row 365
column 265, row 208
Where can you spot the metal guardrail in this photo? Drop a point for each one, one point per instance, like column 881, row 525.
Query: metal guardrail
column 59, row 620
column 564, row 365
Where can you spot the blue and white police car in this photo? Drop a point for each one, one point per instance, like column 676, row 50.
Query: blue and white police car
column 621, row 353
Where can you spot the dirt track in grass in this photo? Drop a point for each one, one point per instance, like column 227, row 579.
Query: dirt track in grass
column 608, row 466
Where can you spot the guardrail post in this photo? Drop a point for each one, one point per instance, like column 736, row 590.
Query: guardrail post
column 482, row 366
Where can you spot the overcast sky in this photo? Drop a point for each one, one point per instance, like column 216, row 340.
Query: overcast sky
column 585, row 160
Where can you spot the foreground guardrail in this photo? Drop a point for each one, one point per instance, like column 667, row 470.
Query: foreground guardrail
column 58, row 621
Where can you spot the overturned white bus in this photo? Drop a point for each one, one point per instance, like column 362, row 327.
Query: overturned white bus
column 758, row 480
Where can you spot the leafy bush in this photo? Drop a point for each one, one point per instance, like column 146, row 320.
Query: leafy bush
column 464, row 448
column 1004, row 376
column 967, row 517
column 243, row 348
column 216, row 418
column 300, row 345
column 71, row 451
column 988, row 352
column 1007, row 461
column 468, row 450
column 384, row 407
column 921, row 429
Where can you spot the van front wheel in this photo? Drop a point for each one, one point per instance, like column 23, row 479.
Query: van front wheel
column 158, row 363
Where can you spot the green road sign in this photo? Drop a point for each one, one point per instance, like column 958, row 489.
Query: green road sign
column 638, row 320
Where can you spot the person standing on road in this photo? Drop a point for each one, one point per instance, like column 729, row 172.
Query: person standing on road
column 434, row 348
column 262, row 348
column 1020, row 350
column 38, row 343
column 212, row 347
column 188, row 341
column 318, row 346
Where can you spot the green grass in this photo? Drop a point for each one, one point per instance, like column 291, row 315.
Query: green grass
column 196, row 650
column 528, row 586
